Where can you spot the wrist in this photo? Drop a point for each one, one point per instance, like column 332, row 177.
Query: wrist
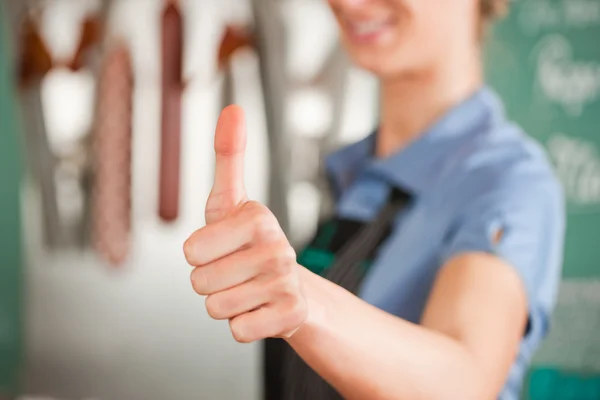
column 317, row 294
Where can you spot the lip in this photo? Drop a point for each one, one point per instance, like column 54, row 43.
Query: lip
column 367, row 31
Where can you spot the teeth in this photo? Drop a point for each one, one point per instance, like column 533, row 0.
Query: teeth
column 367, row 28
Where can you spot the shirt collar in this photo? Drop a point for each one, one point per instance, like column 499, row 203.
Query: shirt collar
column 415, row 167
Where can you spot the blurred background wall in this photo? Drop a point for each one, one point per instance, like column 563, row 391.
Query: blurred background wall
column 10, row 234
column 136, row 330
column 544, row 60
column 76, row 324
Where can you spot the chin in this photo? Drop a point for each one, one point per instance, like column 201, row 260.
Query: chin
column 379, row 63
column 377, row 67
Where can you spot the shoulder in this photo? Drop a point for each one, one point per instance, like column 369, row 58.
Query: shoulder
column 507, row 201
column 503, row 167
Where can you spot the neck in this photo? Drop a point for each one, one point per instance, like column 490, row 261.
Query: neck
column 413, row 102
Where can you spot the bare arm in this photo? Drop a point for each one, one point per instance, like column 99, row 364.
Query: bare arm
column 468, row 339
column 463, row 349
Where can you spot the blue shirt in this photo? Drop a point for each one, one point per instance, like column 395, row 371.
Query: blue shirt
column 473, row 174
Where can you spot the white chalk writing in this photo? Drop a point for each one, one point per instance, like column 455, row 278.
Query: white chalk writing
column 537, row 16
column 581, row 13
column 578, row 167
column 571, row 83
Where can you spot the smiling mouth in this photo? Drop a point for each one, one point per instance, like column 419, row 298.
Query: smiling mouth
column 367, row 31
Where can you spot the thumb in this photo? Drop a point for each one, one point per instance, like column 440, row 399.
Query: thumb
column 228, row 191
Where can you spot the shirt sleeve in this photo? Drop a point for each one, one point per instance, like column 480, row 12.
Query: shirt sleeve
column 520, row 220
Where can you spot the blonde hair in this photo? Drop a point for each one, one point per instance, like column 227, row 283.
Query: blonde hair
column 490, row 10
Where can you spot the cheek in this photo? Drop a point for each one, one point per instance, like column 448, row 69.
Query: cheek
column 401, row 53
column 453, row 20
column 433, row 29
column 424, row 30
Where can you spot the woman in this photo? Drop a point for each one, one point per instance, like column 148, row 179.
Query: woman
column 447, row 240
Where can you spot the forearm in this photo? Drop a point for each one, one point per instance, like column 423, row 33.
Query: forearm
column 366, row 353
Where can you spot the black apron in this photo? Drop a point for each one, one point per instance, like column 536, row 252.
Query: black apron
column 341, row 251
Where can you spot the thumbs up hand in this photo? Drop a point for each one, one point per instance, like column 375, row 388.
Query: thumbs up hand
column 243, row 261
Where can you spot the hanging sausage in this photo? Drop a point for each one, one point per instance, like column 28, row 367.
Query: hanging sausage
column 34, row 62
column 234, row 38
column 172, row 58
column 91, row 35
column 111, row 198
column 88, row 55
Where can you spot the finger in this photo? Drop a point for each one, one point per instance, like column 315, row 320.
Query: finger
column 249, row 224
column 269, row 321
column 238, row 300
column 218, row 240
column 240, row 267
column 228, row 189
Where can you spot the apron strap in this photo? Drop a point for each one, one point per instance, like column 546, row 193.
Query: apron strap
column 300, row 381
column 347, row 270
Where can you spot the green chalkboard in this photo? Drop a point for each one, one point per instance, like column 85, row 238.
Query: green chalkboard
column 544, row 60
column 10, row 232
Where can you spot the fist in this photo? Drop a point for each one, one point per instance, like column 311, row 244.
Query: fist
column 243, row 261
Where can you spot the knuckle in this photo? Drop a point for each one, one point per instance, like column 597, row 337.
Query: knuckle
column 254, row 206
column 213, row 307
column 287, row 254
column 278, row 266
column 189, row 250
column 263, row 222
column 200, row 281
column 239, row 331
column 282, row 260
column 285, row 289
column 255, row 209
column 192, row 247
column 218, row 204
